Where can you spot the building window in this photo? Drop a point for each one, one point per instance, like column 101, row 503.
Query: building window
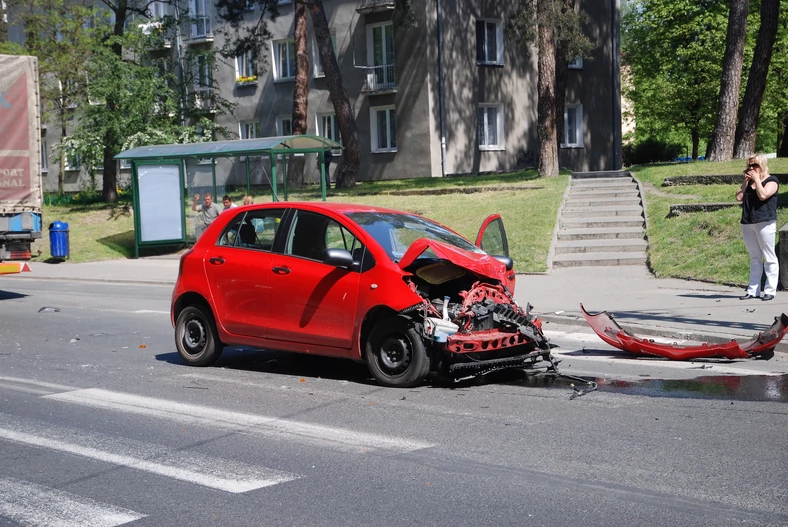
column 72, row 160
column 490, row 126
column 157, row 10
column 573, row 126
column 202, row 71
column 489, row 42
column 201, row 23
column 327, row 127
column 384, row 129
column 249, row 129
column 284, row 126
column 284, row 60
column 319, row 72
column 44, row 156
column 576, row 63
column 246, row 67
column 380, row 55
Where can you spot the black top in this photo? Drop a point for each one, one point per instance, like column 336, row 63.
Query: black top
column 753, row 210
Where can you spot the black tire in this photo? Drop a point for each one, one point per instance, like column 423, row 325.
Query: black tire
column 196, row 337
column 395, row 353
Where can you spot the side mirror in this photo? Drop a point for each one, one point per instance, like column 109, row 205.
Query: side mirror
column 338, row 258
column 508, row 262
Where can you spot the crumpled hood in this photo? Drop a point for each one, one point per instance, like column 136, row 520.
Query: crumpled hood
column 479, row 263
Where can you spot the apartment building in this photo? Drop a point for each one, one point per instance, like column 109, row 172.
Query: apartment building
column 455, row 94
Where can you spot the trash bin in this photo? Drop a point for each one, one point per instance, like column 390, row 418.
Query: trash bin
column 58, row 239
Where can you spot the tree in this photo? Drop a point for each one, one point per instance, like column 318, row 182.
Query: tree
column 749, row 112
column 670, row 51
column 554, row 27
column 724, row 130
column 300, row 90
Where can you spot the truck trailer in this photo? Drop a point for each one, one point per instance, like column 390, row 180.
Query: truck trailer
column 21, row 184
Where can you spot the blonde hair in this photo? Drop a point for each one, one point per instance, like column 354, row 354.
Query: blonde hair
column 762, row 161
column 248, row 200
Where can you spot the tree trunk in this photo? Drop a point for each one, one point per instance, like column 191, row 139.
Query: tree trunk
column 347, row 171
column 782, row 136
column 724, row 129
column 546, row 127
column 561, row 76
column 695, row 143
column 61, row 178
column 296, row 165
column 750, row 110
column 109, row 178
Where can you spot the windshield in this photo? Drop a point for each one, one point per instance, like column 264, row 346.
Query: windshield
column 396, row 232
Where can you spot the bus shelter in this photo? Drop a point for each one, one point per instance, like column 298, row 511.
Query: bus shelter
column 158, row 177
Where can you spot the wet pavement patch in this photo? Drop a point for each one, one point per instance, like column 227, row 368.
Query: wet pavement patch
column 728, row 387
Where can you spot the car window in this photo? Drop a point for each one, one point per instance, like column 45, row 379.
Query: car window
column 395, row 232
column 255, row 229
column 311, row 234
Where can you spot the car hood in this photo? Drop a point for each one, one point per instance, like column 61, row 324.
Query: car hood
column 480, row 263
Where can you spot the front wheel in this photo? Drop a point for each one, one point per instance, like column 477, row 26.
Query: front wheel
column 196, row 337
column 395, row 353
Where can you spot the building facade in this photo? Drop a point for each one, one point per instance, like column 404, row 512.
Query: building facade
column 454, row 94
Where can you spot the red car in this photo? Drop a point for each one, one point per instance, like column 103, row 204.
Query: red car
column 403, row 293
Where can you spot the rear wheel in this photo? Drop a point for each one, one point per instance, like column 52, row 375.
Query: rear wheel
column 395, row 353
column 196, row 337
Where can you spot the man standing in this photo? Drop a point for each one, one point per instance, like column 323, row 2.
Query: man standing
column 209, row 212
column 228, row 203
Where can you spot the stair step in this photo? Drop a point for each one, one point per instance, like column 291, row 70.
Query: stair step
column 628, row 233
column 590, row 223
column 597, row 201
column 601, row 175
column 601, row 245
column 605, row 193
column 599, row 259
column 603, row 211
column 602, row 182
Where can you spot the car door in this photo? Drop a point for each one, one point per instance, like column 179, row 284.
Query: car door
column 312, row 302
column 238, row 271
column 492, row 237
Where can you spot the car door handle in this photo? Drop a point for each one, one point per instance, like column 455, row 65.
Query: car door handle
column 281, row 270
column 217, row 260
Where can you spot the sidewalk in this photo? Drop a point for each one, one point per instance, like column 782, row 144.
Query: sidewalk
column 640, row 303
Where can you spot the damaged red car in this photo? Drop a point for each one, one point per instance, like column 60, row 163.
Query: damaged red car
column 400, row 292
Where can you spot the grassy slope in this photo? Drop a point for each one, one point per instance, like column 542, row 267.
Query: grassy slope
column 702, row 245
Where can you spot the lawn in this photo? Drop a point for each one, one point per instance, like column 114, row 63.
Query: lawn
column 528, row 205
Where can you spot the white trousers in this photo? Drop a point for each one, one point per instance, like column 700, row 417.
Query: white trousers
column 759, row 239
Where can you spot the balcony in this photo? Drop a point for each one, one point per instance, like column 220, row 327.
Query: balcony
column 375, row 6
column 200, row 30
column 157, row 38
column 380, row 79
column 203, row 99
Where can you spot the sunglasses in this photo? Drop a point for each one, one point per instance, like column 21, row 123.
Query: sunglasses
column 753, row 165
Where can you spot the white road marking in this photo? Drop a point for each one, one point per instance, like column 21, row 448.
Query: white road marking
column 23, row 382
column 305, row 433
column 30, row 504
column 221, row 474
column 142, row 311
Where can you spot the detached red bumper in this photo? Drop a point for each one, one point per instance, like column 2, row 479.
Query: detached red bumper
column 608, row 330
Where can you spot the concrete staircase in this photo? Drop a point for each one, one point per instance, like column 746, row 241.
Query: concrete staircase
column 602, row 222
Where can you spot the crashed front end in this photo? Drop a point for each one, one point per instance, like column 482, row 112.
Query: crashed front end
column 469, row 318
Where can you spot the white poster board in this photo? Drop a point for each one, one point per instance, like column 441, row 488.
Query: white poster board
column 160, row 202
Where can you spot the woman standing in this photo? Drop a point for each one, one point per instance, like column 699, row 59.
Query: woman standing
column 758, row 194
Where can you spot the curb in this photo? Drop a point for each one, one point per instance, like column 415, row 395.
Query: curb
column 659, row 331
column 99, row 280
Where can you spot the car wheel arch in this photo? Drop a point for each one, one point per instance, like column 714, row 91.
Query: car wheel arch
column 190, row 299
column 373, row 316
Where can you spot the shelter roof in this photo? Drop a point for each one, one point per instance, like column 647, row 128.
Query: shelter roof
column 288, row 144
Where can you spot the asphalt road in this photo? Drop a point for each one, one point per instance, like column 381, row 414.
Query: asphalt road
column 101, row 424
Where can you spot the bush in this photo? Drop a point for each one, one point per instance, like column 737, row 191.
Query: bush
column 83, row 197
column 651, row 151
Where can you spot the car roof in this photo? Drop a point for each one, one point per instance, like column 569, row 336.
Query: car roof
column 336, row 207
